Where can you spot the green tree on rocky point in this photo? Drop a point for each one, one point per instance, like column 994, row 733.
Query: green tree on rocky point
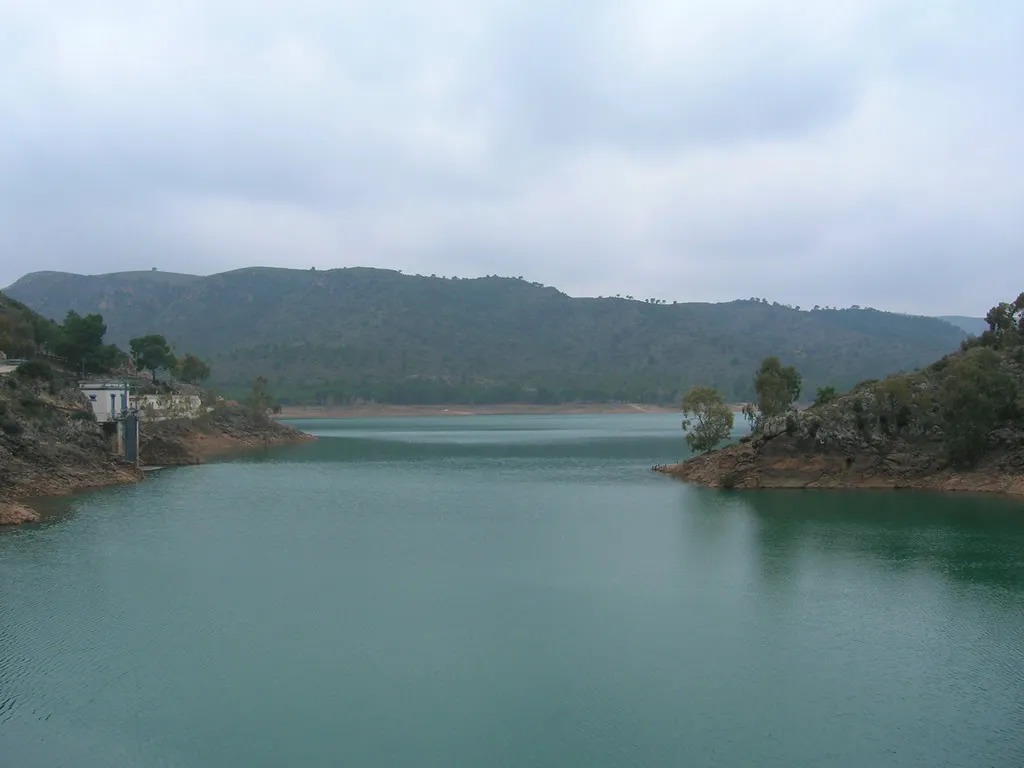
column 777, row 386
column 706, row 418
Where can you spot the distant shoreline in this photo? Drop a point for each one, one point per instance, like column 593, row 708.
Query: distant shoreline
column 371, row 410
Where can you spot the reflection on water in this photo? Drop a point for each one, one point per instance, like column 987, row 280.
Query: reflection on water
column 970, row 537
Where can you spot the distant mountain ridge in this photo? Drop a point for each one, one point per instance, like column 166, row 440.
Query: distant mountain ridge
column 973, row 326
column 362, row 333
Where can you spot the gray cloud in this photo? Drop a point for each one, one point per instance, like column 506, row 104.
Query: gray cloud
column 856, row 152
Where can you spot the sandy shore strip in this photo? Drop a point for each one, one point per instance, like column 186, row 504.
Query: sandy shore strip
column 371, row 410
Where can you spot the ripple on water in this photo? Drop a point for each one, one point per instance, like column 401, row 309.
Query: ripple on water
column 521, row 601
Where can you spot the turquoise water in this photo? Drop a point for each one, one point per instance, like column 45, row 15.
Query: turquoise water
column 508, row 591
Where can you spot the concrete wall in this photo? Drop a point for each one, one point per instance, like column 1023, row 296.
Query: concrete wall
column 162, row 407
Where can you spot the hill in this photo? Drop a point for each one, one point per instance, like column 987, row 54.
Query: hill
column 340, row 335
column 958, row 424
column 974, row 326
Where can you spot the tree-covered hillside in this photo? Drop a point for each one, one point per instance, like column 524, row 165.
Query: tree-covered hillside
column 332, row 336
column 23, row 333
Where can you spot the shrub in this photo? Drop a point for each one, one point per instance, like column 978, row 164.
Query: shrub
column 825, row 395
column 35, row 370
column 86, row 415
column 730, row 479
column 894, row 399
column 32, row 405
column 975, row 396
column 11, row 427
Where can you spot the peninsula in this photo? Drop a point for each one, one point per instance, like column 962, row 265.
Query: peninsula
column 956, row 425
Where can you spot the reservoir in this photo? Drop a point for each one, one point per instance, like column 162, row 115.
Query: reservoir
column 508, row 591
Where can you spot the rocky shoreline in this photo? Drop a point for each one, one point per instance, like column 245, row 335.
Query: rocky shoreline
column 185, row 442
column 787, row 466
column 15, row 506
column 54, row 448
column 846, row 446
column 50, row 445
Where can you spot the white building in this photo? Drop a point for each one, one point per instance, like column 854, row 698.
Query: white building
column 108, row 399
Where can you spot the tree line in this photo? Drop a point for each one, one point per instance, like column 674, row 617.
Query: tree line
column 78, row 341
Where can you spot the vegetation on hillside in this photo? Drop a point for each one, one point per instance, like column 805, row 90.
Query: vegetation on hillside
column 79, row 345
column 331, row 337
column 78, row 341
column 23, row 333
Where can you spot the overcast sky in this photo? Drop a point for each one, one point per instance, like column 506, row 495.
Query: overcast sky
column 850, row 151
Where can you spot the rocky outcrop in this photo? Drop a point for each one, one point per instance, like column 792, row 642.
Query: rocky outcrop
column 16, row 514
column 50, row 444
column 228, row 428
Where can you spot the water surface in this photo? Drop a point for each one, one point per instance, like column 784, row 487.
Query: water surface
column 508, row 591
